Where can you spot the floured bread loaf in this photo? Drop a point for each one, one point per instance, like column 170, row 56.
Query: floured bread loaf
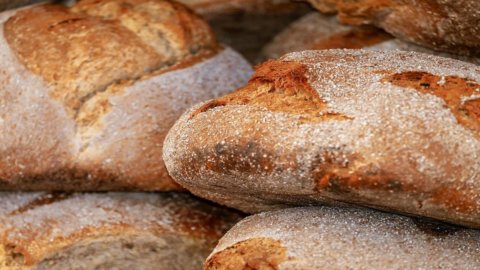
column 316, row 31
column 108, row 231
column 340, row 238
column 247, row 25
column 386, row 129
column 88, row 93
column 446, row 25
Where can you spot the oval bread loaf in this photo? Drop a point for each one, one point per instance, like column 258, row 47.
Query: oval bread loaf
column 446, row 25
column 88, row 93
column 386, row 129
column 60, row 231
column 342, row 238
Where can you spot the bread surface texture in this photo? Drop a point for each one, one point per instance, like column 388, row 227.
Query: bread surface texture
column 108, row 231
column 88, row 93
column 341, row 238
column 386, row 129
column 444, row 25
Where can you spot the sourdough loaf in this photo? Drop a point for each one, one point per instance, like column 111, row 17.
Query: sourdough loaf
column 445, row 25
column 316, row 31
column 336, row 238
column 392, row 130
column 57, row 231
column 88, row 93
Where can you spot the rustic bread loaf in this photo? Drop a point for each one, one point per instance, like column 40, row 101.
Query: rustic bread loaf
column 446, row 25
column 247, row 25
column 316, row 31
column 391, row 130
column 88, row 93
column 340, row 238
column 108, row 231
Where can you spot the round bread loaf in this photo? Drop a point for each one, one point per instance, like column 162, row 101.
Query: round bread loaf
column 316, row 31
column 341, row 238
column 108, row 231
column 446, row 25
column 386, row 129
column 88, row 93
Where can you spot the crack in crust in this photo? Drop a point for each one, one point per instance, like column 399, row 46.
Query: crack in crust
column 279, row 86
column 260, row 253
column 96, row 49
column 462, row 96
column 45, row 199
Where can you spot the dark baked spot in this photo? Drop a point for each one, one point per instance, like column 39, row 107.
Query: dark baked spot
column 279, row 86
column 252, row 254
column 15, row 256
column 461, row 95
column 357, row 38
column 248, row 157
column 46, row 199
column 433, row 228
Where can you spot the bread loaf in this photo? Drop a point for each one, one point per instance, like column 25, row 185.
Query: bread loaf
column 445, row 25
column 316, row 31
column 56, row 231
column 247, row 25
column 336, row 238
column 386, row 129
column 88, row 93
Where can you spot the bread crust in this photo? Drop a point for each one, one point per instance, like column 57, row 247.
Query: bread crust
column 413, row 149
column 77, row 124
column 342, row 238
column 450, row 26
column 41, row 227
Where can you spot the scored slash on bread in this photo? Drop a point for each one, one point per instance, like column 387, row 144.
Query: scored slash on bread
column 87, row 93
column 57, row 231
column 342, row 238
column 385, row 129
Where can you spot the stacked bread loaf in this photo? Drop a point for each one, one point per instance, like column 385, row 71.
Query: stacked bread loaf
column 88, row 92
column 349, row 155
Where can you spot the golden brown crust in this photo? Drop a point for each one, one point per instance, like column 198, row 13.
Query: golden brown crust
column 279, row 87
column 125, row 41
column 252, row 254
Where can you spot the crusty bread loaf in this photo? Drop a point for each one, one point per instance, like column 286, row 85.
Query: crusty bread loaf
column 341, row 238
column 386, row 129
column 316, row 31
column 247, row 25
column 446, row 25
column 88, row 93
column 57, row 231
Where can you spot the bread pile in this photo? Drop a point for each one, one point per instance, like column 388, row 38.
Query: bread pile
column 356, row 145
